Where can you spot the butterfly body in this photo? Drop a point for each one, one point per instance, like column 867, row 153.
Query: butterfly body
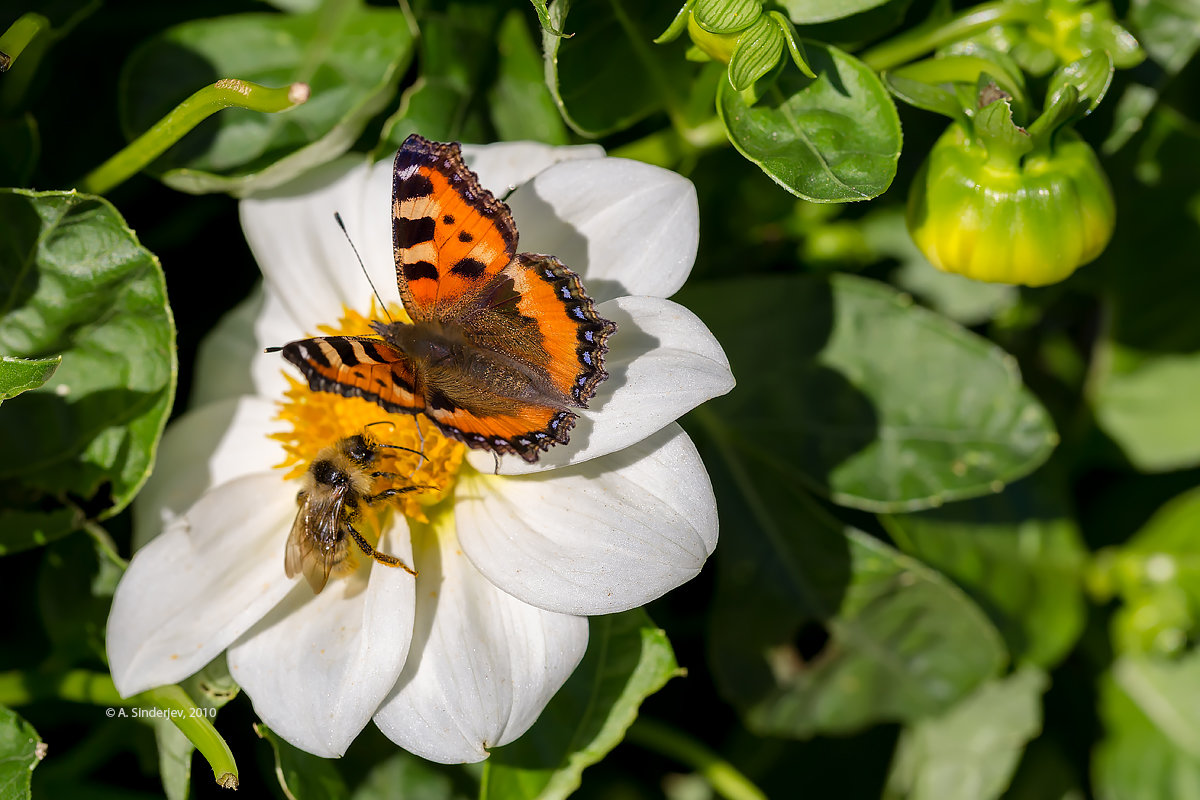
column 502, row 345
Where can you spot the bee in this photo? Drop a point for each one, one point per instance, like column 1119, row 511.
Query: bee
column 336, row 486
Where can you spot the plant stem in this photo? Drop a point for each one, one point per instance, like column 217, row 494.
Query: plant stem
column 926, row 38
column 190, row 719
column 19, row 688
column 18, row 36
column 226, row 93
column 724, row 778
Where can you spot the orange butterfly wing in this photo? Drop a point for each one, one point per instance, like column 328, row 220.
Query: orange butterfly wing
column 451, row 236
column 357, row 366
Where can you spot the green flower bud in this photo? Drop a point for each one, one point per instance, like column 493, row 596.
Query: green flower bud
column 1031, row 220
column 718, row 46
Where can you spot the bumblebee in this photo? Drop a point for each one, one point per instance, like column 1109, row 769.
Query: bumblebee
column 338, row 484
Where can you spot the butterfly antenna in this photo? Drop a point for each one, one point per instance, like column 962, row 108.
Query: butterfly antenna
column 420, row 435
column 362, row 266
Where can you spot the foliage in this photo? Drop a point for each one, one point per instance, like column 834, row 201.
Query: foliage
column 959, row 520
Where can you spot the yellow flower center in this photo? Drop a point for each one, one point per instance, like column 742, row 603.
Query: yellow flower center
column 320, row 419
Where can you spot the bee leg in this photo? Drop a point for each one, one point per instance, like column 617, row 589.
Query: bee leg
column 382, row 558
column 372, row 499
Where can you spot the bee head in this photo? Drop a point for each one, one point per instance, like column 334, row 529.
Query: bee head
column 359, row 450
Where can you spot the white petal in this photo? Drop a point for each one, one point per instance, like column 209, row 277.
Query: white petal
column 303, row 253
column 231, row 361
column 210, row 446
column 317, row 667
column 605, row 536
column 662, row 362
column 624, row 226
column 193, row 590
column 504, row 166
column 483, row 664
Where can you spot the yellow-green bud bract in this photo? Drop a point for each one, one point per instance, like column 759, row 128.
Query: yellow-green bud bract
column 1031, row 221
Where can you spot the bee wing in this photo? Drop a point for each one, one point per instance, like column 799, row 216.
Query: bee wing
column 315, row 542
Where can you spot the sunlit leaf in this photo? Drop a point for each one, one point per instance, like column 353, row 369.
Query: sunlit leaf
column 78, row 284
column 351, row 55
column 19, row 375
column 971, row 750
column 521, row 104
column 20, row 751
column 833, row 139
column 903, row 642
column 610, row 74
column 1019, row 554
column 456, row 52
column 878, row 403
column 808, row 12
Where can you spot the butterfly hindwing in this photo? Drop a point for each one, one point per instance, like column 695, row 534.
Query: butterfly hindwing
column 451, row 236
column 357, row 366
column 524, row 430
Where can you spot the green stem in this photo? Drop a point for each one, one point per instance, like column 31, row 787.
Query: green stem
column 18, row 36
column 226, row 93
column 724, row 778
column 19, row 688
column 195, row 725
column 926, row 38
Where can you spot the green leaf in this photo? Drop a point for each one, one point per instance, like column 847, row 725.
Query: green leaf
column 972, row 749
column 627, row 660
column 1170, row 32
column 1138, row 759
column 758, row 52
column 457, row 52
column 1157, row 575
column 75, row 588
column 351, row 55
column 833, row 139
column 407, row 776
column 544, row 18
column 1091, row 76
column 1019, row 554
column 878, row 403
column 923, row 95
column 301, row 774
column 19, row 375
column 1168, row 693
column 1144, row 403
column 25, row 530
column 79, row 284
column 795, row 46
column 611, row 74
column 21, row 750
column 19, row 150
column 903, row 642
column 726, row 16
column 809, row 12
column 521, row 104
column 993, row 125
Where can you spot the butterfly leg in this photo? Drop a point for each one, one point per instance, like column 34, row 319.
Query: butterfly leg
column 381, row 557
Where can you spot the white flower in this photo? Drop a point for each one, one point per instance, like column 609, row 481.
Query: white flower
column 465, row 657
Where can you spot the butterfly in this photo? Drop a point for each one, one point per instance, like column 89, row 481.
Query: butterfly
column 503, row 346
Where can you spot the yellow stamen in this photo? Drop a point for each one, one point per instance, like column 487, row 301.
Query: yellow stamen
column 319, row 419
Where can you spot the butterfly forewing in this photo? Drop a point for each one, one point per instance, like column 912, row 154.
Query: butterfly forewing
column 451, row 236
column 357, row 366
